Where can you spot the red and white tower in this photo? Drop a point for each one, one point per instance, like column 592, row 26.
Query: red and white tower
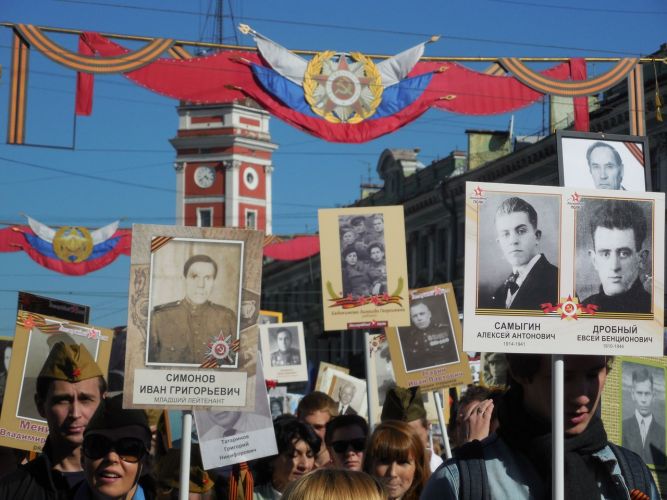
column 223, row 166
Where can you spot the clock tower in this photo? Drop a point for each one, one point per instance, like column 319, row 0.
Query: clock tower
column 223, row 166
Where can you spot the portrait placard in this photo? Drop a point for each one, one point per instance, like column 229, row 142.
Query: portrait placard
column 270, row 317
column 428, row 353
column 278, row 403
column 21, row 425
column 364, row 267
column 324, row 366
column 229, row 437
column 57, row 308
column 347, row 391
column 595, row 160
column 283, row 348
column 494, row 369
column 558, row 270
column 192, row 335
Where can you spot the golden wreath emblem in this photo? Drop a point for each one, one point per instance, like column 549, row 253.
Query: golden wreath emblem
column 73, row 244
column 342, row 88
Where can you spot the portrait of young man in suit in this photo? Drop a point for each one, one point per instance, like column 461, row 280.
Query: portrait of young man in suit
column 533, row 280
column 642, row 433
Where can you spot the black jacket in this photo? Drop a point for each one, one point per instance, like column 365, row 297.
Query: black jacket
column 539, row 287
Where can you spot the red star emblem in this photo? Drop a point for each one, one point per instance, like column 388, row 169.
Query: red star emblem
column 576, row 197
column 477, row 191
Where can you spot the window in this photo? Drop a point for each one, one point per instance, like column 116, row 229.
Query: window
column 251, row 219
column 205, row 217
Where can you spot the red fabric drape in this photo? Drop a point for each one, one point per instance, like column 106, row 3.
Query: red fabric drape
column 581, row 117
column 84, row 84
column 297, row 248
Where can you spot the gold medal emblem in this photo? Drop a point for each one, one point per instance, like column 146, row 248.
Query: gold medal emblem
column 73, row 244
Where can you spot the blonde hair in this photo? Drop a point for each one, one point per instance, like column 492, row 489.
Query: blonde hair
column 334, row 484
column 396, row 441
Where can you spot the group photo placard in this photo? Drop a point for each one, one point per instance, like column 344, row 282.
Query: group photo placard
column 364, row 267
column 192, row 336
column 21, row 425
column 428, row 353
column 563, row 270
column 283, row 348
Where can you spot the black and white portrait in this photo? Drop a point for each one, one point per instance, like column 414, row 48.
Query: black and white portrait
column 284, row 342
column 362, row 250
column 643, row 410
column 429, row 341
column 518, row 249
column 195, row 302
column 494, row 369
column 277, row 405
column 283, row 348
column 5, row 358
column 600, row 161
column 613, row 259
column 347, row 391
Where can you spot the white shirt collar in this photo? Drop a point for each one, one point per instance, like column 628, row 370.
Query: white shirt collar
column 647, row 420
column 525, row 269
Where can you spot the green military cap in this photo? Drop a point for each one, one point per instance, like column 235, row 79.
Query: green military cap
column 70, row 362
column 403, row 404
column 169, row 471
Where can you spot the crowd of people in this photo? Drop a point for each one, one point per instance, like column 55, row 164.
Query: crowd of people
column 501, row 441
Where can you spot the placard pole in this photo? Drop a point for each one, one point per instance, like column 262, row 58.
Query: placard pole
column 372, row 418
column 184, row 481
column 441, row 421
column 557, row 427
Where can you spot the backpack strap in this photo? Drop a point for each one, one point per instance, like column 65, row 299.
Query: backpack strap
column 474, row 482
column 633, row 469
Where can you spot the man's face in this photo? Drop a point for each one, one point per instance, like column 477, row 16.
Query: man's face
column 616, row 259
column 284, row 340
column 346, row 394
column 642, row 395
column 517, row 238
column 318, row 420
column 420, row 316
column 199, row 282
column 225, row 419
column 67, row 409
column 584, row 380
column 376, row 254
column 378, row 225
column 349, row 237
column 359, row 227
column 351, row 258
column 420, row 430
column 605, row 170
column 349, row 459
column 497, row 368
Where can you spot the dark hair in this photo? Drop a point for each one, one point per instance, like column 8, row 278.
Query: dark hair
column 375, row 244
column 43, row 384
column 620, row 214
column 289, row 333
column 288, row 429
column 200, row 258
column 356, row 220
column 599, row 144
column 642, row 374
column 316, row 401
column 348, row 250
column 345, row 421
column 415, row 303
column 527, row 365
column 515, row 204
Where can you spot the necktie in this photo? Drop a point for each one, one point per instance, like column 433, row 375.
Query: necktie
column 643, row 431
column 510, row 283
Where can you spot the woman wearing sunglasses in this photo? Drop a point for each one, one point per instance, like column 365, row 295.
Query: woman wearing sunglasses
column 397, row 458
column 346, row 437
column 115, row 448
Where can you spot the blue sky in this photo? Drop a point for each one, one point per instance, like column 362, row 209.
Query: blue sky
column 125, row 142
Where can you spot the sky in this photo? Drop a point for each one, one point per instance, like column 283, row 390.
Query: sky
column 118, row 164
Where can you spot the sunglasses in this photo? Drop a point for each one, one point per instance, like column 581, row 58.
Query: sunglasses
column 358, row 444
column 130, row 450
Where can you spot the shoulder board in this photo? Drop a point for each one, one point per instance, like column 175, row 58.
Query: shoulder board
column 168, row 305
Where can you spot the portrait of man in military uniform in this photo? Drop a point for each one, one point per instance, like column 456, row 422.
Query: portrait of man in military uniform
column 429, row 341
column 284, row 354
column 195, row 329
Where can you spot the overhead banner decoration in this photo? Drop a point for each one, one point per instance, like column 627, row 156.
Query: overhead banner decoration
column 71, row 250
column 339, row 97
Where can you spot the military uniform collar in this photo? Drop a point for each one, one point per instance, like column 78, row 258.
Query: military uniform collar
column 193, row 308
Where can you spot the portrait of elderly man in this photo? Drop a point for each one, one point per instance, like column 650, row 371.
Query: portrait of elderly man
column 345, row 396
column 426, row 343
column 285, row 354
column 181, row 331
column 533, row 280
column 605, row 166
column 642, row 432
column 617, row 234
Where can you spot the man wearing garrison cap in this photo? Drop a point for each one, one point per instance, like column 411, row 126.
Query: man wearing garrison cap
column 407, row 405
column 70, row 387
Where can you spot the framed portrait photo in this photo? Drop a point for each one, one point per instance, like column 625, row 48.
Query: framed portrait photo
column 428, row 353
column 596, row 160
column 192, row 312
column 35, row 335
column 283, row 348
column 347, row 391
column 364, row 267
column 324, row 366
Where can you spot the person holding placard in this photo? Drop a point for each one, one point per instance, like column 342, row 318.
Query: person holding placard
column 317, row 409
column 70, row 387
column 516, row 460
column 533, row 280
